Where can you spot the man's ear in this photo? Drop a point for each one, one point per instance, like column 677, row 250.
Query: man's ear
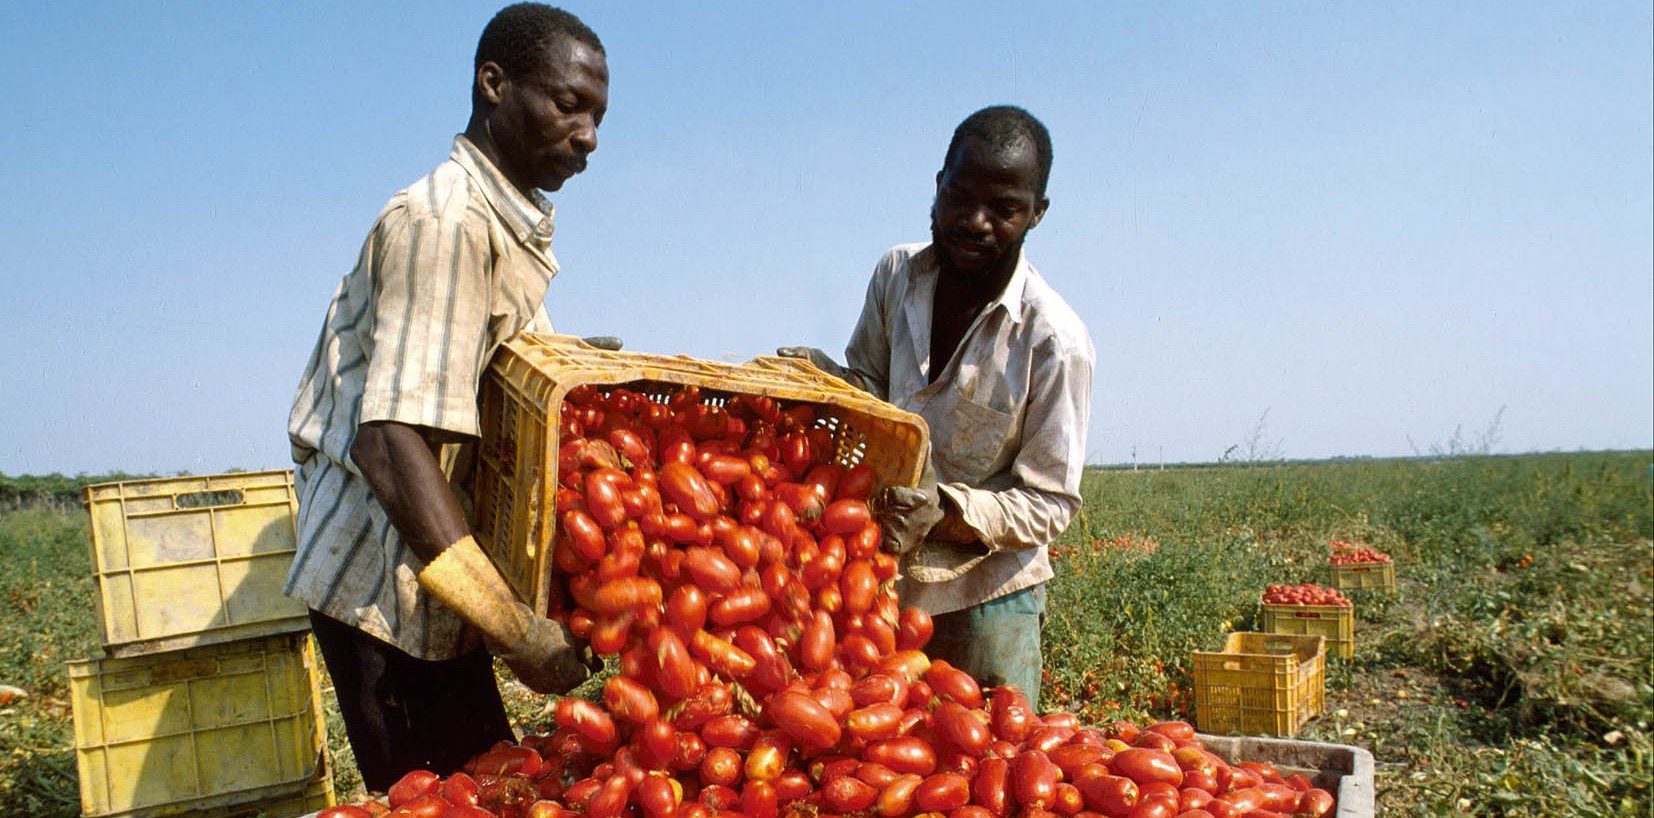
column 491, row 82
column 1039, row 212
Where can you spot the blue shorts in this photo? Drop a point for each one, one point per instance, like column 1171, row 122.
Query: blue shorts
column 997, row 641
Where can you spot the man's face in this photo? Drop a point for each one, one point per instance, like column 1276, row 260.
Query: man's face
column 986, row 202
column 545, row 122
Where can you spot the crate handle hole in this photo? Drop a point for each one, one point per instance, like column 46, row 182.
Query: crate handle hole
column 203, row 499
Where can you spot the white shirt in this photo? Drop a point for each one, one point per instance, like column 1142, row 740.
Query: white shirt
column 456, row 264
column 1007, row 416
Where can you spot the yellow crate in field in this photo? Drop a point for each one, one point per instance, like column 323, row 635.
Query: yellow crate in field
column 1358, row 576
column 513, row 514
column 1335, row 622
column 198, row 730
column 184, row 562
column 1260, row 684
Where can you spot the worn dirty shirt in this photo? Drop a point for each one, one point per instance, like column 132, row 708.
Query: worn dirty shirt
column 1007, row 415
column 456, row 264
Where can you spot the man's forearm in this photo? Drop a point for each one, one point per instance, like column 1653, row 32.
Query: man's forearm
column 408, row 481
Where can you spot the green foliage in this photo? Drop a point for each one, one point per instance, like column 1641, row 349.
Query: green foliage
column 1510, row 675
column 45, row 621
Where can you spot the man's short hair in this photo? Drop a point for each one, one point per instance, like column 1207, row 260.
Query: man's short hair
column 1005, row 126
column 517, row 38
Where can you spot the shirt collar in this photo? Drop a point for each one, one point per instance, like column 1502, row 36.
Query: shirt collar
column 1009, row 300
column 530, row 218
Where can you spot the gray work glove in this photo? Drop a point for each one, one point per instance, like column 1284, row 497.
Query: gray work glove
column 825, row 363
column 608, row 342
column 906, row 514
column 546, row 657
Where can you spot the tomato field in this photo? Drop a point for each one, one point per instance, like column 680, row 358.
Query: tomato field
column 1510, row 673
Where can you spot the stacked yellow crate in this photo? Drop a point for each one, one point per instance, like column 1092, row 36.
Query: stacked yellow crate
column 209, row 701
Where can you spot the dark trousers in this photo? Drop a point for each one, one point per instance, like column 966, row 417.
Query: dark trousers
column 997, row 642
column 403, row 713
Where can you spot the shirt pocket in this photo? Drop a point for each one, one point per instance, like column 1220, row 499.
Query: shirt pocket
column 974, row 441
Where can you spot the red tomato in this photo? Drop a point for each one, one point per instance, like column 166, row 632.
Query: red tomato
column 721, row 766
column 627, row 593
column 859, row 586
column 657, row 742
column 768, row 757
column 952, row 683
column 1315, row 803
column 739, row 606
column 692, row 493
column 429, row 805
column 804, row 719
column 1034, row 780
column 848, row 794
column 344, row 811
column 412, row 785
column 587, row 719
column 904, row 754
column 1144, row 766
column 990, row 787
column 721, row 656
column 916, row 629
column 759, row 800
column 961, row 728
column 896, row 798
column 1111, row 795
column 845, row 517
column 942, row 792
column 711, row 570
column 857, row 483
column 584, row 534
column 657, row 798
column 874, row 722
column 734, row 732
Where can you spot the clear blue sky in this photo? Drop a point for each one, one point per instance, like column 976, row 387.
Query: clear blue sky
column 1375, row 222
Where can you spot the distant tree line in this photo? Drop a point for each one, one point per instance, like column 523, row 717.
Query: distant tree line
column 53, row 491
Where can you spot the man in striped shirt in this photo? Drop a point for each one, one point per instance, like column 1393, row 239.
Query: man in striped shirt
column 404, row 605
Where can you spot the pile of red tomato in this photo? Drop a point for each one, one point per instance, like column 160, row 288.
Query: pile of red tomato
column 1306, row 594
column 1344, row 553
column 765, row 668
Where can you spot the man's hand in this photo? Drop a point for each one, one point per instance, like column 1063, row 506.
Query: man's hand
column 544, row 654
column 825, row 363
column 906, row 515
column 547, row 658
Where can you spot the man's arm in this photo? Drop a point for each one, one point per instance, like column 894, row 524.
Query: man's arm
column 406, row 478
column 1046, row 471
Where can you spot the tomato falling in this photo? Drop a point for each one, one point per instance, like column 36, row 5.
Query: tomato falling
column 766, row 668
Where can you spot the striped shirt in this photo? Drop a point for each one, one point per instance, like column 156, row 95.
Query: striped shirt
column 1007, row 415
column 456, row 264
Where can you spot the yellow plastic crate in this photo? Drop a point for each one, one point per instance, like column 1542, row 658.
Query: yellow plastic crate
column 1377, row 576
column 199, row 729
column 315, row 798
column 1260, row 683
column 1335, row 622
column 525, row 385
column 189, row 561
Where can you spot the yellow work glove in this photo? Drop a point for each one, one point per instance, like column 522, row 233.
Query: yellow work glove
column 543, row 653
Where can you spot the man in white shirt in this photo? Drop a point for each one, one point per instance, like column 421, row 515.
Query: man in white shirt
column 965, row 333
column 405, row 607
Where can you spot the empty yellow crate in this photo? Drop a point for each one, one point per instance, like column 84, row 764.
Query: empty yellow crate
column 315, row 798
column 1378, row 576
column 1260, row 683
column 189, row 561
column 1335, row 622
column 524, row 388
column 199, row 729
